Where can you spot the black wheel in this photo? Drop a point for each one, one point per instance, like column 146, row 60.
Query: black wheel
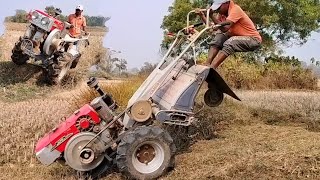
column 96, row 173
column 57, row 70
column 146, row 153
column 18, row 57
column 75, row 62
column 213, row 97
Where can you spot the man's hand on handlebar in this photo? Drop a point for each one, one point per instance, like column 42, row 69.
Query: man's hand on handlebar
column 198, row 11
column 216, row 27
column 191, row 29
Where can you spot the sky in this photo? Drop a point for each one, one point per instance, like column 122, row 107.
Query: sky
column 134, row 27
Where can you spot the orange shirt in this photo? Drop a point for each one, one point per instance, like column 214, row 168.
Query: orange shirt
column 243, row 26
column 78, row 23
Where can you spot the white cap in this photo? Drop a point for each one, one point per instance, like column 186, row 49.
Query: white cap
column 80, row 7
column 217, row 3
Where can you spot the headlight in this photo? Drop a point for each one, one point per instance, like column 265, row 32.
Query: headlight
column 45, row 21
column 35, row 15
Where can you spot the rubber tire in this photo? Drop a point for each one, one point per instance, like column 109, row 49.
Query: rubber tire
column 96, row 173
column 75, row 62
column 133, row 139
column 17, row 56
column 54, row 69
column 218, row 97
column 52, row 73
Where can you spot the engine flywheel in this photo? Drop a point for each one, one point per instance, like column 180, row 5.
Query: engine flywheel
column 84, row 159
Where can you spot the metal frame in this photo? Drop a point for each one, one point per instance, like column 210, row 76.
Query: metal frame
column 148, row 89
column 188, row 47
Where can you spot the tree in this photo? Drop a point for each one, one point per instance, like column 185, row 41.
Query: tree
column 50, row 10
column 315, row 62
column 279, row 21
column 19, row 17
column 147, row 68
column 293, row 61
column 121, row 64
column 96, row 20
column 312, row 60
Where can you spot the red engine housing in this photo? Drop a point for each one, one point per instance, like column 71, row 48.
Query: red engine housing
column 57, row 139
column 57, row 23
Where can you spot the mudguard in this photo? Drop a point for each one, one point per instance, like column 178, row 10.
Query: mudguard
column 214, row 79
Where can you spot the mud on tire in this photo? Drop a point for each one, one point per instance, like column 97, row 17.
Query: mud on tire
column 146, row 153
column 97, row 173
column 55, row 68
column 17, row 55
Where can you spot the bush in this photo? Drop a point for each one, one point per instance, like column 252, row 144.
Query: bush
column 281, row 76
column 241, row 75
column 273, row 75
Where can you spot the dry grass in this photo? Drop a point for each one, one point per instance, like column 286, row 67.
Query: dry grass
column 242, row 75
column 244, row 144
column 29, row 73
column 285, row 108
column 303, row 102
column 20, row 83
column 14, row 30
column 253, row 152
column 23, row 123
column 120, row 91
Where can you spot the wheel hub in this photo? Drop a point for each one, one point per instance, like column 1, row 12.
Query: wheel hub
column 87, row 156
column 26, row 45
column 148, row 157
column 84, row 159
column 146, row 153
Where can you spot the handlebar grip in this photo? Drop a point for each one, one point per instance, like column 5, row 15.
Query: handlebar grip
column 198, row 24
column 223, row 24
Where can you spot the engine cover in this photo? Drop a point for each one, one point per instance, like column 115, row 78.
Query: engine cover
column 53, row 144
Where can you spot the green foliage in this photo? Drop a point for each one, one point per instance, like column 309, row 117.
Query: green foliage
column 19, row 17
column 279, row 21
column 147, row 68
column 96, row 20
column 50, row 10
column 120, row 64
column 284, row 19
column 176, row 20
column 284, row 60
column 276, row 74
column 240, row 74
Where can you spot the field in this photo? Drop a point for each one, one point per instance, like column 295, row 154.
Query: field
column 270, row 134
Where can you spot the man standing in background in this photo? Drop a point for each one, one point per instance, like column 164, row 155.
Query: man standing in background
column 78, row 22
